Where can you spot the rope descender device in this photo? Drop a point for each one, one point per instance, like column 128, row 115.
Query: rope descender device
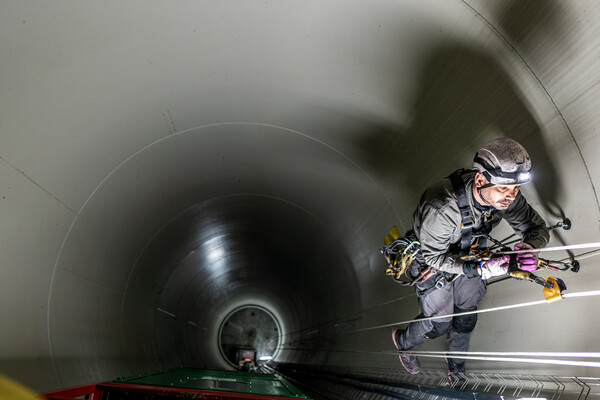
column 553, row 287
column 555, row 292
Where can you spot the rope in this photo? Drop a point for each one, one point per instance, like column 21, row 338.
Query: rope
column 468, row 356
column 507, row 307
column 510, row 353
column 535, row 357
column 592, row 245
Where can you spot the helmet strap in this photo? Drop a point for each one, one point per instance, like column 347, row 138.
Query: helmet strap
column 487, row 202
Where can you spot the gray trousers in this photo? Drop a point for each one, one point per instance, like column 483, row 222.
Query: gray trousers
column 462, row 294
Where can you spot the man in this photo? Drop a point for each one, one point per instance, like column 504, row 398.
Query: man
column 453, row 215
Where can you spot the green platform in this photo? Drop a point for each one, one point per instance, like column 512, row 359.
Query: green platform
column 230, row 381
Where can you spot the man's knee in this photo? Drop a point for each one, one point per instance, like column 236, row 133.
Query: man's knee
column 464, row 323
column 438, row 329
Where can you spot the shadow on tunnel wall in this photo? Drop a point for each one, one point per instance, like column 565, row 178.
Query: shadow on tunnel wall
column 527, row 24
column 464, row 98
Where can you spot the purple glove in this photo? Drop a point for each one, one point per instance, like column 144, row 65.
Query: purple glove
column 527, row 261
column 494, row 267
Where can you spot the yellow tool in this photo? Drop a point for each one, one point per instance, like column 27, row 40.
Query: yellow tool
column 399, row 252
column 553, row 287
column 555, row 292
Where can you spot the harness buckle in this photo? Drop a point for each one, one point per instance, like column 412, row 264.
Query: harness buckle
column 440, row 283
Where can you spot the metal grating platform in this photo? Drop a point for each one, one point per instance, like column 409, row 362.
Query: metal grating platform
column 381, row 383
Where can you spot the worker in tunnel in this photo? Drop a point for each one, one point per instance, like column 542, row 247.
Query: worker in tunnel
column 451, row 221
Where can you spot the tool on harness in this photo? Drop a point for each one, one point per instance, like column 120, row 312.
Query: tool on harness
column 399, row 252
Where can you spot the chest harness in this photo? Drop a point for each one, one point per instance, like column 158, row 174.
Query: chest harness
column 472, row 239
column 466, row 244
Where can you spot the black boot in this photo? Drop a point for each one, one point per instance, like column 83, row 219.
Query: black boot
column 456, row 372
column 410, row 363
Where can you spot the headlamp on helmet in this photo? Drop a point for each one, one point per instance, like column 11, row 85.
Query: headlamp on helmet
column 497, row 176
column 503, row 161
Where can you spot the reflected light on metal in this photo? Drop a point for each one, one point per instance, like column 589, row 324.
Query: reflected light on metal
column 214, row 249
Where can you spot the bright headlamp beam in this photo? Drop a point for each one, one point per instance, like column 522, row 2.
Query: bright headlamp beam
column 524, row 177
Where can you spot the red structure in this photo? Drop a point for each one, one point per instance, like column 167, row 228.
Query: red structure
column 186, row 383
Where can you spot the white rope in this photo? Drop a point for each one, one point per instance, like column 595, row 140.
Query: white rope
column 532, row 303
column 593, row 245
column 512, row 353
column 581, row 294
column 495, row 356
column 467, row 356
column 508, row 307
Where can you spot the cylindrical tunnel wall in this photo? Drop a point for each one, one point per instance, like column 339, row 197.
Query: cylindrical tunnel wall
column 163, row 164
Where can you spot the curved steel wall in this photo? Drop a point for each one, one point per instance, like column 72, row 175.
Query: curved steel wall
column 162, row 164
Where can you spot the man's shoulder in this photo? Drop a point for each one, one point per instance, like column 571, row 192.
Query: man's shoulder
column 440, row 194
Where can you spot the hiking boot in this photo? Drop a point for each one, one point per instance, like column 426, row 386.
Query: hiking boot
column 410, row 363
column 457, row 379
column 454, row 366
column 456, row 373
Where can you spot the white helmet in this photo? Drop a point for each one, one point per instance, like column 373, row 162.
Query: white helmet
column 503, row 161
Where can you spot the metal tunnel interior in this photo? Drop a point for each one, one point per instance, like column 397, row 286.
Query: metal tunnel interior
column 163, row 164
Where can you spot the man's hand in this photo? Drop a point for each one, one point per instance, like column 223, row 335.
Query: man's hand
column 527, row 261
column 494, row 267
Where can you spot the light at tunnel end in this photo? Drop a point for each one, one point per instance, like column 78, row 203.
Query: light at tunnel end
column 247, row 335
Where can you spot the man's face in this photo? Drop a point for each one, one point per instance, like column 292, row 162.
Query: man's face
column 497, row 196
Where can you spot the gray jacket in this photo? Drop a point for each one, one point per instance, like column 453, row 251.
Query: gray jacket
column 437, row 223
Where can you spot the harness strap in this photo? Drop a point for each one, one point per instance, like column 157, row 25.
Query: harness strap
column 465, row 211
column 487, row 228
column 440, row 280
